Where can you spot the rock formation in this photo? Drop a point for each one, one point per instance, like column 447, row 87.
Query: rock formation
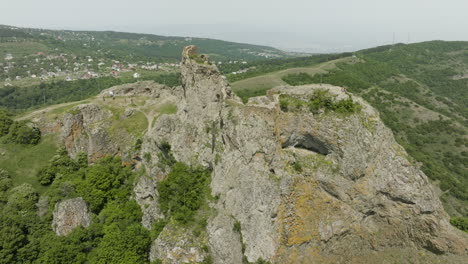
column 356, row 194
column 304, row 186
column 69, row 214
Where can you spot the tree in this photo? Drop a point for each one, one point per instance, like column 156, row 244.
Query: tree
column 23, row 197
column 5, row 185
column 22, row 133
column 46, row 175
column 104, row 182
column 5, row 122
column 183, row 192
column 130, row 245
column 12, row 238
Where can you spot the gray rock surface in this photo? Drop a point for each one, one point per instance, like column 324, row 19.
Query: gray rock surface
column 84, row 130
column 177, row 245
column 146, row 196
column 69, row 214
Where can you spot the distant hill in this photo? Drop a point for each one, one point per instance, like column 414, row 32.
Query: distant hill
column 62, row 59
column 124, row 46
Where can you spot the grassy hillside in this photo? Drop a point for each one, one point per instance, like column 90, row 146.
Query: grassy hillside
column 27, row 161
column 258, row 85
column 421, row 91
column 123, row 46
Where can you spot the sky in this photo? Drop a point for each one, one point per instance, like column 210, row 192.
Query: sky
column 295, row 25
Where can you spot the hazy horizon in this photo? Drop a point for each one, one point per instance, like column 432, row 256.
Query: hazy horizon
column 295, row 25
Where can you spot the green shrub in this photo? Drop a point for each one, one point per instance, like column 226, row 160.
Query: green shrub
column 166, row 159
column 23, row 197
column 129, row 245
column 297, row 166
column 183, row 191
column 61, row 164
column 346, row 106
column 46, row 175
column 5, row 185
column 105, row 181
column 138, row 144
column 290, row 103
column 237, row 227
column 460, row 223
column 320, row 100
column 82, row 160
column 157, row 228
column 208, row 260
column 5, row 122
column 147, row 156
column 21, row 133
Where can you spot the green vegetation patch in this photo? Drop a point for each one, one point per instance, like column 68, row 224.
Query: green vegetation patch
column 245, row 94
column 184, row 191
column 460, row 223
column 168, row 109
column 65, row 109
column 321, row 100
column 19, row 49
column 135, row 124
column 24, row 161
column 20, row 132
column 298, row 79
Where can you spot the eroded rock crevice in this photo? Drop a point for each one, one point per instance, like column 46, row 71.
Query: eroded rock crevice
column 307, row 142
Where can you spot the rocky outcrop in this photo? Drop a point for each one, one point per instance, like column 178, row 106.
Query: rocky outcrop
column 84, row 130
column 354, row 195
column 176, row 244
column 69, row 214
column 147, row 197
column 300, row 186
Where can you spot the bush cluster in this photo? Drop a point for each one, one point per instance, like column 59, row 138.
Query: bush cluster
column 184, row 191
column 460, row 223
column 320, row 100
column 18, row 132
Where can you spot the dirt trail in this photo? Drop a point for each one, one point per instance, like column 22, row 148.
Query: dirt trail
column 46, row 109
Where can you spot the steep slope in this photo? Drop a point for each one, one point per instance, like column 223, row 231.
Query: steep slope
column 306, row 174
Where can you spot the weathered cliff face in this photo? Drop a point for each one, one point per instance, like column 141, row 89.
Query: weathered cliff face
column 70, row 214
column 356, row 193
column 84, row 130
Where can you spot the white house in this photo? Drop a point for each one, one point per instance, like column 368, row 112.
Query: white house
column 136, row 75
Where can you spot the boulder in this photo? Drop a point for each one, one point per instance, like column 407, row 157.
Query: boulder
column 70, row 214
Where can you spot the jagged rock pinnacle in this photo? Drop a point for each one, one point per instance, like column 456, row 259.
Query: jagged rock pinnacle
column 201, row 80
